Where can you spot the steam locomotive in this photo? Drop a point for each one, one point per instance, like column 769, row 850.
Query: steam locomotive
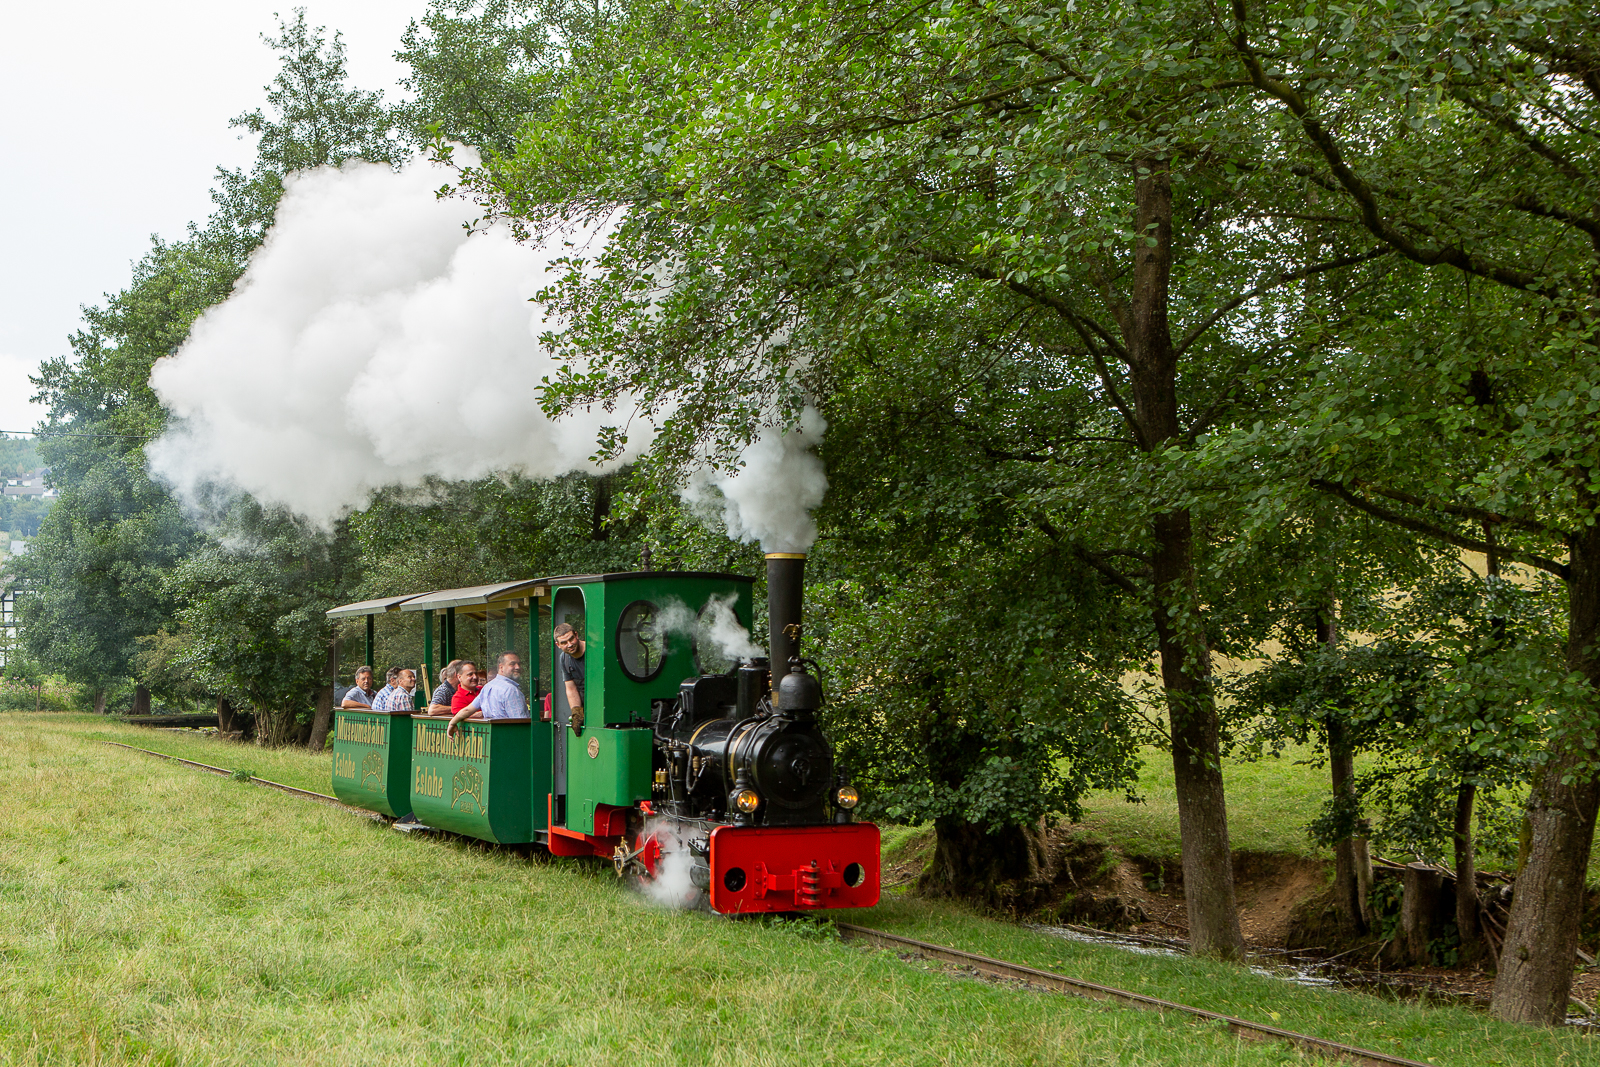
column 685, row 763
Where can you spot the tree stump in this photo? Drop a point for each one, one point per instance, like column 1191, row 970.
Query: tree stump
column 1421, row 886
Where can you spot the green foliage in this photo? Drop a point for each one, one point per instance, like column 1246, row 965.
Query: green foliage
column 21, row 516
column 452, row 534
column 312, row 119
column 18, row 456
column 251, row 611
column 481, row 69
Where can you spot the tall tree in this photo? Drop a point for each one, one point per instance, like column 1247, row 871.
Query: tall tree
column 1463, row 137
column 97, row 578
column 787, row 181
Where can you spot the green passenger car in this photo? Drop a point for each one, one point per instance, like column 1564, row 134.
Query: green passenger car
column 479, row 783
column 372, row 760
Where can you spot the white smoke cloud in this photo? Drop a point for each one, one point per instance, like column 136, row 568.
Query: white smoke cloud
column 716, row 631
column 372, row 342
column 770, row 497
column 673, row 885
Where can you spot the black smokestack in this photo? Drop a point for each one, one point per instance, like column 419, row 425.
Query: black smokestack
column 786, row 573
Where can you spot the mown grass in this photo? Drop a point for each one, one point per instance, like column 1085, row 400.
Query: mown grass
column 160, row 915
column 1270, row 803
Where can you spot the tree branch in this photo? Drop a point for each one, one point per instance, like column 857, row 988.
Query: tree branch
column 1465, row 511
column 1093, row 559
column 1267, row 286
column 1560, row 570
column 1366, row 199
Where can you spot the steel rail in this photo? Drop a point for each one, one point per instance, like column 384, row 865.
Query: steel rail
column 229, row 774
column 1063, row 984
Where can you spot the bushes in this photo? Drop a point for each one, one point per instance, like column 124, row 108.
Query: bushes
column 52, row 694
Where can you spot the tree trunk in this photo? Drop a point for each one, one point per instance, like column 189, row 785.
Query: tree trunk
column 1180, row 627
column 1004, row 870
column 1363, row 858
column 1466, row 872
column 1534, row 979
column 1342, row 769
column 323, row 722
column 1346, row 854
column 99, row 701
column 1421, row 886
column 224, row 716
column 141, row 700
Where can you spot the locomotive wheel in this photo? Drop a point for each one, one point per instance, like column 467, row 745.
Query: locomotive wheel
column 639, row 860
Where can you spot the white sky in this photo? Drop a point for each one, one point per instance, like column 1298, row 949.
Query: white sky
column 115, row 116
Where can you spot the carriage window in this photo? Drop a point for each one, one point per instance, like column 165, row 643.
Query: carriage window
column 641, row 644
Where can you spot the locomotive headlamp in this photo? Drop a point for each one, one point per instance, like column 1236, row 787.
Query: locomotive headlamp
column 846, row 797
column 747, row 800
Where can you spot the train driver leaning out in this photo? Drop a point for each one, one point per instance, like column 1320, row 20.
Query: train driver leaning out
column 447, row 688
column 396, row 696
column 570, row 669
column 361, row 695
column 501, row 698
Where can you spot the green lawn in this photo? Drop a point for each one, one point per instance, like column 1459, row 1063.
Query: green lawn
column 1270, row 802
column 162, row 915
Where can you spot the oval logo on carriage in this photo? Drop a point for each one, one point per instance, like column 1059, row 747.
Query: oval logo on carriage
column 594, row 748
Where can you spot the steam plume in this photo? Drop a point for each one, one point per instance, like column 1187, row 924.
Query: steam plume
column 770, row 497
column 371, row 342
column 717, row 627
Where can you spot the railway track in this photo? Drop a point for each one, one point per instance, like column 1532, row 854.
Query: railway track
column 1064, row 984
column 308, row 794
column 983, row 964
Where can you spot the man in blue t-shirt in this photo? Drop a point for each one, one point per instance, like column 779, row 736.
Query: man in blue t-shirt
column 569, row 669
column 501, row 699
column 361, row 695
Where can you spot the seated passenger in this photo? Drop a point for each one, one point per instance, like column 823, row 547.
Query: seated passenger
column 468, row 685
column 446, row 690
column 396, row 696
column 361, row 695
column 500, row 699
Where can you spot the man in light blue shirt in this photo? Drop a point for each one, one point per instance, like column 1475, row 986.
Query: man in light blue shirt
column 501, row 698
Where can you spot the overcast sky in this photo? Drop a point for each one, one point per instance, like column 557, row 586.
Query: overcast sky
column 115, row 118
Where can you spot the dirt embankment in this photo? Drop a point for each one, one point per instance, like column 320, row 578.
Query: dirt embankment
column 1285, row 908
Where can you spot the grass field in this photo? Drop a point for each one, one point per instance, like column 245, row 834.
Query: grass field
column 162, row 915
column 1270, row 802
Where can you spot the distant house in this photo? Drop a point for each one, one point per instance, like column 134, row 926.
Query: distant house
column 30, row 484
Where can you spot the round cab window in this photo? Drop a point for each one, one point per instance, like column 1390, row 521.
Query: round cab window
column 641, row 643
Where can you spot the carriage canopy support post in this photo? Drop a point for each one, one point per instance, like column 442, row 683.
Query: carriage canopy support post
column 371, row 644
column 427, row 649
